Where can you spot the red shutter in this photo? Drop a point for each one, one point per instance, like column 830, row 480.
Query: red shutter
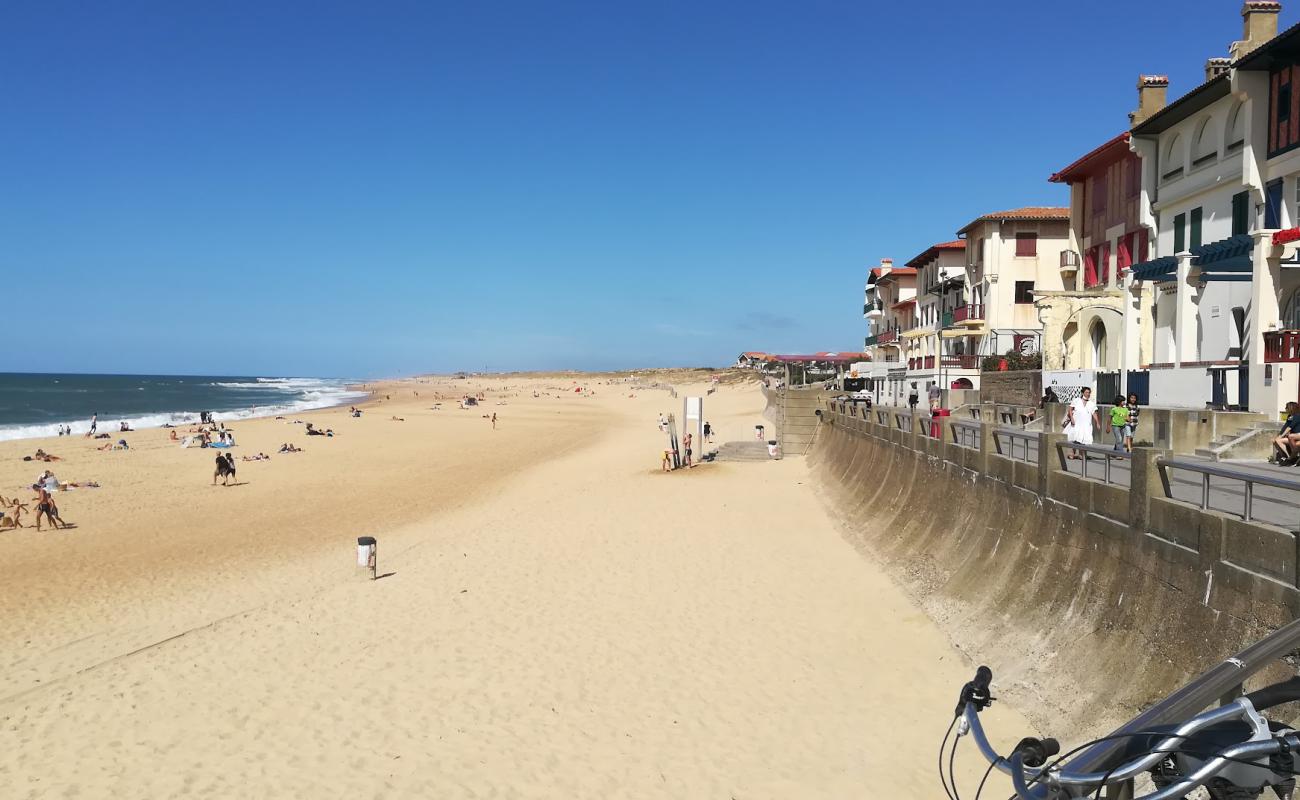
column 1026, row 244
column 1104, row 261
column 1090, row 268
column 1142, row 247
column 1124, row 258
column 1272, row 112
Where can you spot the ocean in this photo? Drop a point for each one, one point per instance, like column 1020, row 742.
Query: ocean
column 36, row 404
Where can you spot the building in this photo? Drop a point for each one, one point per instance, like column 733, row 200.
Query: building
column 889, row 307
column 937, row 348
column 1207, row 195
column 1083, row 322
column 1010, row 256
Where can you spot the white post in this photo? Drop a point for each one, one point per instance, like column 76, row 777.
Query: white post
column 1184, row 312
column 1265, row 312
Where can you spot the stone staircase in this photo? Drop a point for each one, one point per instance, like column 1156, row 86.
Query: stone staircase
column 1248, row 443
column 742, row 451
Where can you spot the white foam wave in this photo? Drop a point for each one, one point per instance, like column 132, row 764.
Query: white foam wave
column 322, row 395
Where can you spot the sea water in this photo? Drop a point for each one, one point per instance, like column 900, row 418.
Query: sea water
column 36, row 404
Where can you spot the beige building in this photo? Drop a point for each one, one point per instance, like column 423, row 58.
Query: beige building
column 1011, row 256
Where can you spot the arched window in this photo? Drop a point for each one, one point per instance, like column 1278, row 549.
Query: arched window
column 1171, row 165
column 1098, row 336
column 1205, row 147
column 1236, row 127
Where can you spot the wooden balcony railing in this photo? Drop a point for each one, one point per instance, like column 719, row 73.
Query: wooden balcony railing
column 1281, row 347
column 970, row 311
column 929, row 362
column 887, row 337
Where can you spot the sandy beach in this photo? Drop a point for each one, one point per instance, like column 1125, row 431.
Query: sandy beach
column 556, row 617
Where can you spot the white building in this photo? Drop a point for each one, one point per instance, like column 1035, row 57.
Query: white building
column 937, row 348
column 889, row 307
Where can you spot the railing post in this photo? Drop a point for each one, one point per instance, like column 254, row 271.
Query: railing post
column 1047, row 446
column 988, row 446
column 947, row 442
column 1145, row 482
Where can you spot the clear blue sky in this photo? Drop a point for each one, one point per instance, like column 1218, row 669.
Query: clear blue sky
column 387, row 188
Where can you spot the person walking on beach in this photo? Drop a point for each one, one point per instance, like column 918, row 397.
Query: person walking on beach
column 708, row 432
column 94, row 423
column 686, row 444
column 44, row 506
column 224, row 471
column 494, row 420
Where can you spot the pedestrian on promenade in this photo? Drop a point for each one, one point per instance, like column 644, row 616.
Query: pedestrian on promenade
column 913, row 398
column 1117, row 421
column 1130, row 431
column 1080, row 419
column 1284, row 452
column 935, row 395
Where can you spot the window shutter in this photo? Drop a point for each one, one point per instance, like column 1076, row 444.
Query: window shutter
column 1180, row 232
column 1196, row 228
column 1026, row 244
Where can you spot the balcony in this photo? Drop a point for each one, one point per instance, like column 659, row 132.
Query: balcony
column 962, row 362
column 946, row 320
column 1281, row 347
column 888, row 337
column 872, row 310
column 971, row 313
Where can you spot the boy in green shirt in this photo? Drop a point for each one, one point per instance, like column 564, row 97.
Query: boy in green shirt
column 1117, row 420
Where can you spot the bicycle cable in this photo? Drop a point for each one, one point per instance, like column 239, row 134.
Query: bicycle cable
column 942, row 745
column 980, row 790
column 952, row 774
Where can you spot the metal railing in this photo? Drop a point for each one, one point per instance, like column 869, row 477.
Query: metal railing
column 1107, row 455
column 1014, row 435
column 965, row 434
column 1208, row 469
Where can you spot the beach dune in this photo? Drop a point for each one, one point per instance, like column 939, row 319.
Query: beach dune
column 556, row 618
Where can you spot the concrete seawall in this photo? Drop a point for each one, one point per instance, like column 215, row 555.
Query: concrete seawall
column 1071, row 589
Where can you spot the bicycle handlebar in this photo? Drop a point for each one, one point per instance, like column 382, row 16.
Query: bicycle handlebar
column 1024, row 761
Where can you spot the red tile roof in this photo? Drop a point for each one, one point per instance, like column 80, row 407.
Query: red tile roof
column 933, row 250
column 904, row 303
column 1111, row 151
column 901, row 272
column 1045, row 213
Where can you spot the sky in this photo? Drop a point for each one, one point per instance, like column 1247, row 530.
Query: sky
column 376, row 189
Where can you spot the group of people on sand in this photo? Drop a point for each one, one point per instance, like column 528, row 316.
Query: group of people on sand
column 11, row 510
column 225, row 469
column 41, row 455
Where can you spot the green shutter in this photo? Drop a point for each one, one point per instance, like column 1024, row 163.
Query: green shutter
column 1180, row 232
column 1196, row 228
column 1240, row 212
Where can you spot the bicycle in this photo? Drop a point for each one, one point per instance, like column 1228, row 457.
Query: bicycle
column 1233, row 750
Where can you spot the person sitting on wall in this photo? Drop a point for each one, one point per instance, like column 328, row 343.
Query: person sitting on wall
column 1284, row 446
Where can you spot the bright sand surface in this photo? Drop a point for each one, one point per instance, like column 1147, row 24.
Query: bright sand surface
column 557, row 617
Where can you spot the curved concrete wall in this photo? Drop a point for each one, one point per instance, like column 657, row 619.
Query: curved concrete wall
column 1083, row 622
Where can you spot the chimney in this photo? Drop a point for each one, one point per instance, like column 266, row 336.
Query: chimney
column 1152, row 91
column 1216, row 67
column 886, row 264
column 1260, row 25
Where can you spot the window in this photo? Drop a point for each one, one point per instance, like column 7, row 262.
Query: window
column 1026, row 244
column 1024, row 292
column 1180, row 232
column 1196, row 228
column 1172, row 167
column 1236, row 128
column 1134, row 174
column 1241, row 211
column 1206, row 147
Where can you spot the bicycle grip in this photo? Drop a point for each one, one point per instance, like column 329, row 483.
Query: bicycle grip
column 983, row 676
column 1275, row 695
